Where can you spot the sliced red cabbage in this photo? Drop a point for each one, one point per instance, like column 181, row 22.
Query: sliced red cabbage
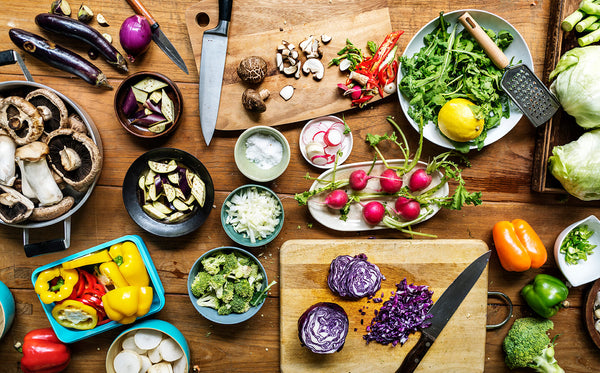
column 403, row 314
column 323, row 328
column 354, row 277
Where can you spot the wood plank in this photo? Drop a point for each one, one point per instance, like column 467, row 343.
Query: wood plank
column 304, row 266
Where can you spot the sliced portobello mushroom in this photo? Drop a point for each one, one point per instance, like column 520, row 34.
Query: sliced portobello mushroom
column 51, row 108
column 74, row 156
column 14, row 207
column 21, row 119
column 45, row 213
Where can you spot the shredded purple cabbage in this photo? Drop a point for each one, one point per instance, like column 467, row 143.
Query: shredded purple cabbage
column 403, row 314
column 354, row 277
column 323, row 328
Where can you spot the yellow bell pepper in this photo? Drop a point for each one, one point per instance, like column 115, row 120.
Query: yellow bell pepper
column 74, row 314
column 126, row 304
column 93, row 258
column 66, row 280
column 111, row 270
column 130, row 262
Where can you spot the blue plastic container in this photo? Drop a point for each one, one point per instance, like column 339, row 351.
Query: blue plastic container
column 7, row 308
column 69, row 335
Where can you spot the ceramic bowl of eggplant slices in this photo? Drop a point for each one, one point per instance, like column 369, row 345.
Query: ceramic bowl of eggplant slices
column 148, row 105
column 168, row 192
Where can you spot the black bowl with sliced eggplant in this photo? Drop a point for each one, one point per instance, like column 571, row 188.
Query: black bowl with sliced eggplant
column 50, row 159
column 148, row 105
column 168, row 192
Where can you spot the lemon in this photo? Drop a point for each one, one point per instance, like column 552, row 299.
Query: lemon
column 457, row 121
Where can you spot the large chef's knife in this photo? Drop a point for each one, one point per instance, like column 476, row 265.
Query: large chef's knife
column 442, row 311
column 158, row 36
column 212, row 65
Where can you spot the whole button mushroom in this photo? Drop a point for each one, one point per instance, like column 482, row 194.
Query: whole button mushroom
column 252, row 69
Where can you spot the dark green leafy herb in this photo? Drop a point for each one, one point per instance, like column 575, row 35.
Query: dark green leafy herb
column 576, row 245
column 453, row 65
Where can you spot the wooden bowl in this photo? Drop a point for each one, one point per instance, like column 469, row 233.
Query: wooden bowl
column 171, row 90
column 589, row 313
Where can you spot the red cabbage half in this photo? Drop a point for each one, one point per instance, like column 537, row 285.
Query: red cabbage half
column 404, row 313
column 323, row 328
column 354, row 277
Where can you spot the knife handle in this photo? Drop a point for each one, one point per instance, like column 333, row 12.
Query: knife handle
column 491, row 49
column 224, row 10
column 414, row 357
column 141, row 10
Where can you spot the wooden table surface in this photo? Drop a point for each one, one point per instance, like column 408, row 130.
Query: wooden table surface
column 502, row 171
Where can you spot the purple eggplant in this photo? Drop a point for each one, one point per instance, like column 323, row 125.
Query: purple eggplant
column 78, row 30
column 130, row 104
column 148, row 120
column 58, row 57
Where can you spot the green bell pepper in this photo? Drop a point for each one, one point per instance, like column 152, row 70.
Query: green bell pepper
column 545, row 295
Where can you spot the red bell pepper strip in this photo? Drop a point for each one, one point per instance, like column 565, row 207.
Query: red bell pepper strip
column 43, row 352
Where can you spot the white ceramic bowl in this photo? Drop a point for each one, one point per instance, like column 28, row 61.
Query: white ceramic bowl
column 250, row 169
column 517, row 49
column 345, row 147
column 584, row 271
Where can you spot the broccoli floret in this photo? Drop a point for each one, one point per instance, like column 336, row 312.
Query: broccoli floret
column 227, row 294
column 225, row 309
column 230, row 264
column 239, row 304
column 255, row 278
column 212, row 264
column 208, row 300
column 244, row 260
column 241, row 271
column 528, row 346
column 201, row 283
column 244, row 289
column 217, row 282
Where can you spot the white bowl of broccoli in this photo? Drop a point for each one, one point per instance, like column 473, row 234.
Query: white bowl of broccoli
column 228, row 285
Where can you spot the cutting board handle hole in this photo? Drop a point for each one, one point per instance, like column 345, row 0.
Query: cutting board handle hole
column 202, row 19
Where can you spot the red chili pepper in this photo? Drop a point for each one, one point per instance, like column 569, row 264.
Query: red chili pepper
column 388, row 73
column 362, row 100
column 385, row 48
column 43, row 352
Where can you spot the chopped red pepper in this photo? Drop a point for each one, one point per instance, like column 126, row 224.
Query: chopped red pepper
column 384, row 49
column 43, row 352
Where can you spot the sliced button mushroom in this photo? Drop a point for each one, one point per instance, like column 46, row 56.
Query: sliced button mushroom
column 7, row 159
column 46, row 213
column 21, row 119
column 51, row 107
column 14, row 207
column 35, row 171
column 314, row 66
column 75, row 157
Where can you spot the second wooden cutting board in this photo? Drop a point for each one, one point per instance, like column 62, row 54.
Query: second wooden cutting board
column 311, row 98
column 436, row 263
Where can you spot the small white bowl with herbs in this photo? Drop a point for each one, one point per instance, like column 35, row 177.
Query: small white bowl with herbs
column 577, row 251
column 262, row 153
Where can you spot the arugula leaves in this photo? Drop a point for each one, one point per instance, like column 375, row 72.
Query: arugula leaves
column 452, row 65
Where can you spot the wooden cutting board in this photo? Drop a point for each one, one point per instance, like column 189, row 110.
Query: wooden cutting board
column 303, row 281
column 311, row 98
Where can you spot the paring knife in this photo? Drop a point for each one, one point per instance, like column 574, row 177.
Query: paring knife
column 9, row 57
column 212, row 65
column 442, row 311
column 158, row 36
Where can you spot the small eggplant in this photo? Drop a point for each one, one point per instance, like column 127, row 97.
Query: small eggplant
column 183, row 182
column 148, row 120
column 130, row 104
column 78, row 30
column 58, row 57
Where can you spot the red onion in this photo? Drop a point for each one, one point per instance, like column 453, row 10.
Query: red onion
column 135, row 36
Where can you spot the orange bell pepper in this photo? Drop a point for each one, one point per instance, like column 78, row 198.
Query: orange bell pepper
column 518, row 246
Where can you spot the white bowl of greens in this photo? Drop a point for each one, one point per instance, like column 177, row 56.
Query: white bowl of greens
column 517, row 51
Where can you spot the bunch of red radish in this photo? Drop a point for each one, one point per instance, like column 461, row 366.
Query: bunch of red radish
column 373, row 212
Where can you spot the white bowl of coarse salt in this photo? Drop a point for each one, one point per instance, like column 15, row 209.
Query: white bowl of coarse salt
column 262, row 153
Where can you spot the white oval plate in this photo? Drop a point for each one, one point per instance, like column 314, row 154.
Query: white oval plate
column 355, row 222
column 517, row 49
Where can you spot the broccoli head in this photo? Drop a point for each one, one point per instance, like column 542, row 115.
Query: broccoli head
column 212, row 264
column 528, row 346
column 243, row 288
column 208, row 300
column 201, row 283
column 239, row 304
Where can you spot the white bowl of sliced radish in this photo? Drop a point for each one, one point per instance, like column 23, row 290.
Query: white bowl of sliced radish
column 151, row 346
column 325, row 138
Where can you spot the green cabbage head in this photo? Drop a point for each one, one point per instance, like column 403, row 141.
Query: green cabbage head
column 577, row 166
column 577, row 84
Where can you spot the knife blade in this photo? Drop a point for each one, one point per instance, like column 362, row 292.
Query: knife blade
column 158, row 36
column 212, row 66
column 442, row 311
column 11, row 56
